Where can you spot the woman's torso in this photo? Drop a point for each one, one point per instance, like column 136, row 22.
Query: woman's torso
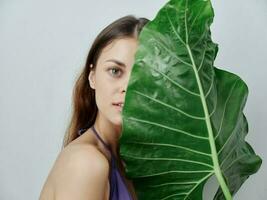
column 116, row 169
column 88, row 138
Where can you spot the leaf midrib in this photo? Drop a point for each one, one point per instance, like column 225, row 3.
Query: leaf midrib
column 216, row 166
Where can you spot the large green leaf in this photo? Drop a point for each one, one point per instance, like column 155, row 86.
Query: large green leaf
column 183, row 118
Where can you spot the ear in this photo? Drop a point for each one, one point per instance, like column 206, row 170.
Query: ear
column 91, row 77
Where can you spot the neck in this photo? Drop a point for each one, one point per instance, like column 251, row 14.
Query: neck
column 109, row 132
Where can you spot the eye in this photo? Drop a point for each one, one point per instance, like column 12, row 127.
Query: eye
column 115, row 70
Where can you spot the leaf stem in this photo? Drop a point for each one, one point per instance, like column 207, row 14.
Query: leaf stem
column 214, row 154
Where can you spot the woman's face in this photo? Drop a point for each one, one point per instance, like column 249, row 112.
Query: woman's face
column 110, row 77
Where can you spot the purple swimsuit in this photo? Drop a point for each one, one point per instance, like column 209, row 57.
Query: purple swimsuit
column 118, row 189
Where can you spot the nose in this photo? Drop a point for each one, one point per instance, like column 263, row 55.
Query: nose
column 124, row 88
column 125, row 83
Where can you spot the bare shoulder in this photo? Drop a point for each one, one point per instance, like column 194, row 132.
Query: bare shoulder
column 79, row 172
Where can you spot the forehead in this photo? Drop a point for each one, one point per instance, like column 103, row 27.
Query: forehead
column 120, row 49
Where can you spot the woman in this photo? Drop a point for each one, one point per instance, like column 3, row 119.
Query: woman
column 89, row 166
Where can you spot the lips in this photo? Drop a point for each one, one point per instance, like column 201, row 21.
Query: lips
column 121, row 104
column 118, row 105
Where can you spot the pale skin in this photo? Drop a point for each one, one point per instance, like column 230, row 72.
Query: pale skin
column 81, row 170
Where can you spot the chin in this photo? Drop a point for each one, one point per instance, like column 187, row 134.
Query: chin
column 117, row 121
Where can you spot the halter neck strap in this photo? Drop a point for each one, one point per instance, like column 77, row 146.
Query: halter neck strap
column 98, row 136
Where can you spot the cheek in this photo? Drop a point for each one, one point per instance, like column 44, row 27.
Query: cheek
column 104, row 94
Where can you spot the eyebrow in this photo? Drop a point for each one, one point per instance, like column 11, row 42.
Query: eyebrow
column 117, row 62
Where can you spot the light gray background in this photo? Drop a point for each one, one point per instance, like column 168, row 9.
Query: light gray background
column 43, row 45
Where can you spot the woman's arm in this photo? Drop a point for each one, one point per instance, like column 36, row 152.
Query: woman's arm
column 80, row 172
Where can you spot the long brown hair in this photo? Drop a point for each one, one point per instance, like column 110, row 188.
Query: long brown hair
column 84, row 108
